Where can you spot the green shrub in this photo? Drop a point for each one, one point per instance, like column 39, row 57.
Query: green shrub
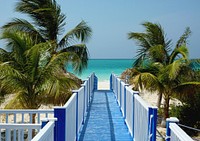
column 189, row 113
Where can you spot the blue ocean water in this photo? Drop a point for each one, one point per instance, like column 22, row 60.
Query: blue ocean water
column 104, row 67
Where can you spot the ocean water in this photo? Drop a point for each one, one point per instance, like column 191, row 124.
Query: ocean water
column 104, row 67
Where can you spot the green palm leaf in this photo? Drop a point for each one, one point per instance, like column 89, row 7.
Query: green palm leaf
column 147, row 80
column 183, row 39
column 82, row 53
column 81, row 31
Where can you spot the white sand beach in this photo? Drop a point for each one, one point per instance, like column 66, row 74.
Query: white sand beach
column 150, row 98
column 104, row 85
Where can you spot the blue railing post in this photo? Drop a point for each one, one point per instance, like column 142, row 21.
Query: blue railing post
column 111, row 88
column 95, row 82
column 152, row 123
column 60, row 124
column 44, row 122
column 168, row 131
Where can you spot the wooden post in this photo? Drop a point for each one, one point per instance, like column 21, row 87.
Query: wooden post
column 168, row 131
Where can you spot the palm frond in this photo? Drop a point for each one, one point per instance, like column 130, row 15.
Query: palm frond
column 82, row 53
column 81, row 31
column 141, row 39
column 24, row 26
column 182, row 50
column 183, row 39
column 60, row 88
column 46, row 15
column 147, row 81
column 4, row 55
column 153, row 38
column 173, row 69
column 157, row 53
column 156, row 35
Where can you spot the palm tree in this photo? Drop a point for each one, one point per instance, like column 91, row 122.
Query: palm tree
column 34, row 75
column 47, row 24
column 164, row 70
column 37, row 53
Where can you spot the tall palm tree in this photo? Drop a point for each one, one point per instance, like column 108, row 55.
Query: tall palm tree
column 33, row 74
column 164, row 70
column 37, row 53
column 47, row 24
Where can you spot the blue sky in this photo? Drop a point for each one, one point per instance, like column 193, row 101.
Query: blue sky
column 111, row 20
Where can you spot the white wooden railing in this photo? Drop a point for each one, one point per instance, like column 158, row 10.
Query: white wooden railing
column 174, row 132
column 24, row 116
column 70, row 117
column 18, row 132
column 140, row 117
column 47, row 132
column 17, row 125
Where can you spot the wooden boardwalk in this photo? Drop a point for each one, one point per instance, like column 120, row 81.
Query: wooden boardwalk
column 104, row 121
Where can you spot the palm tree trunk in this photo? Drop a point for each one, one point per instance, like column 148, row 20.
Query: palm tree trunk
column 159, row 100
column 166, row 107
column 166, row 111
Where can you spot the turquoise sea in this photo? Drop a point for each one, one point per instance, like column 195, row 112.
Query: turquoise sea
column 104, row 67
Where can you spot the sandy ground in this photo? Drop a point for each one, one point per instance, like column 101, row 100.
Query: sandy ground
column 104, row 85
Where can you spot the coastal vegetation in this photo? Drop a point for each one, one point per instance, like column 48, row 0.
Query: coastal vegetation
column 188, row 112
column 161, row 68
column 32, row 65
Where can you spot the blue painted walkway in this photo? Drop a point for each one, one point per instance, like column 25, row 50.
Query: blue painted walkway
column 104, row 121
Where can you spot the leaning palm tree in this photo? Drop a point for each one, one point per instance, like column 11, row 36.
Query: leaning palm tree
column 154, row 47
column 47, row 24
column 162, row 71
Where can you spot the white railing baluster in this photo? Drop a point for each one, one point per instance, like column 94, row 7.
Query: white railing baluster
column 0, row 133
column 8, row 135
column 22, row 117
column 38, row 118
column 6, row 118
column 14, row 131
column 15, row 117
column 30, row 118
column 22, row 134
column 19, row 135
column 30, row 134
